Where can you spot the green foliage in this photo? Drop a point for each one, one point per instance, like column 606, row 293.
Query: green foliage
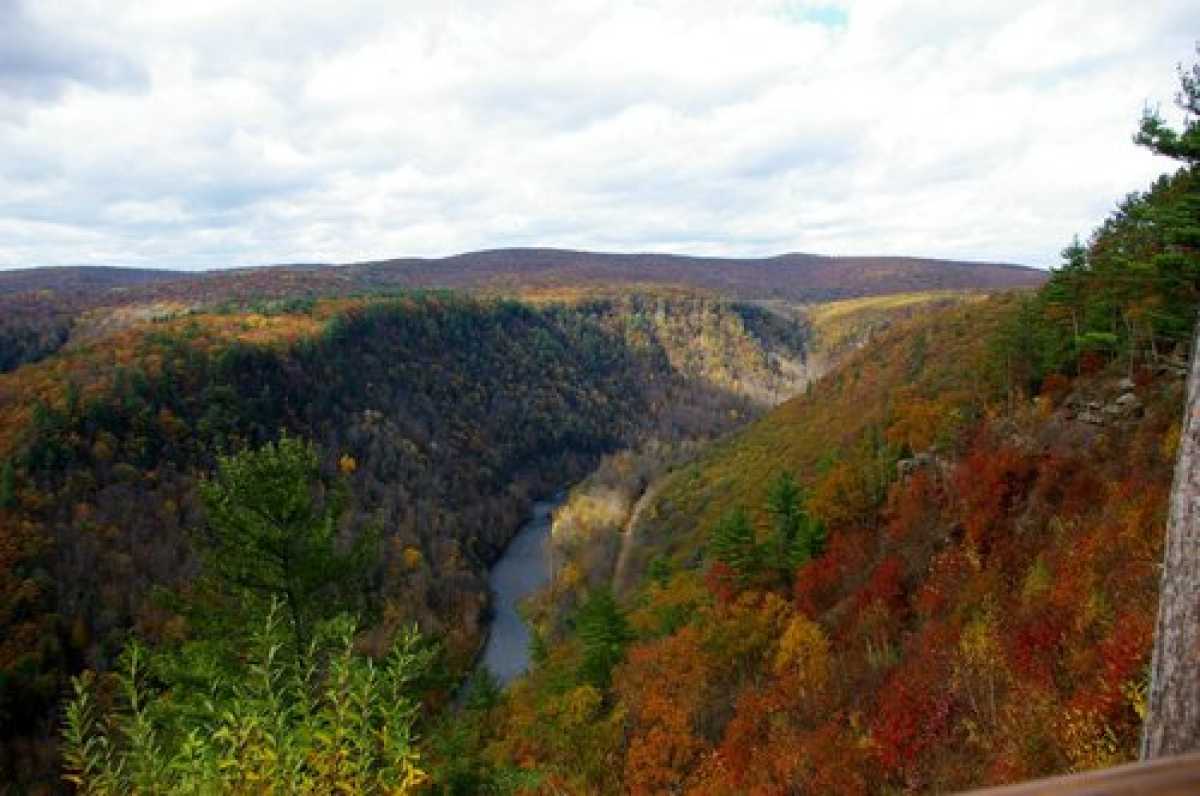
column 1133, row 290
column 659, row 570
column 270, row 538
column 329, row 721
column 605, row 632
column 538, row 649
column 733, row 543
column 796, row 536
column 1156, row 135
column 483, row 690
column 8, row 485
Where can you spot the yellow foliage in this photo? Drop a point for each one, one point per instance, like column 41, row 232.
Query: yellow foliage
column 412, row 558
column 1088, row 742
column 1134, row 691
column 980, row 645
column 347, row 464
column 570, row 576
column 804, row 650
column 1170, row 442
column 685, row 591
column 579, row 707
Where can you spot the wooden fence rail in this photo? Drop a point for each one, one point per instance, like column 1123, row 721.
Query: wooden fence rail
column 1164, row 776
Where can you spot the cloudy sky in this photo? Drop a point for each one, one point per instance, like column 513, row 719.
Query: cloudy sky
column 222, row 133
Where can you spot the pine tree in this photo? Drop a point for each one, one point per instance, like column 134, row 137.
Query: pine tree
column 1183, row 145
column 796, row 536
column 272, row 534
column 810, row 540
column 783, row 504
column 483, row 690
column 8, row 486
column 605, row 632
column 733, row 543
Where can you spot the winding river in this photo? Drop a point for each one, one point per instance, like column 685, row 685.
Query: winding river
column 521, row 570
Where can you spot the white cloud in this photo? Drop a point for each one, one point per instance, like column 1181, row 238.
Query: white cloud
column 231, row 133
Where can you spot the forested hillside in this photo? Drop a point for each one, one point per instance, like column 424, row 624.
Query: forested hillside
column 41, row 308
column 445, row 415
column 937, row 569
column 244, row 534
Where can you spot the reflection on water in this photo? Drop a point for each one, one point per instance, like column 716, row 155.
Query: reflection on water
column 523, row 569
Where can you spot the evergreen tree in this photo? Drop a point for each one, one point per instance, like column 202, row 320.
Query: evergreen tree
column 605, row 632
column 483, row 689
column 272, row 534
column 783, row 504
column 1183, row 145
column 539, row 652
column 733, row 543
column 797, row 536
column 810, row 541
column 8, row 486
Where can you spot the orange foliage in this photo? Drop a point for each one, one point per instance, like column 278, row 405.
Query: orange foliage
column 664, row 685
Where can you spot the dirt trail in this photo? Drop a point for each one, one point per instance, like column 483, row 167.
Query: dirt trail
column 621, row 575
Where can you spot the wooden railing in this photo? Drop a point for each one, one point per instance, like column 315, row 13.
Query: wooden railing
column 1165, row 776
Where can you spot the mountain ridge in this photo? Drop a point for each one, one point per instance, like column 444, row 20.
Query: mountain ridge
column 486, row 267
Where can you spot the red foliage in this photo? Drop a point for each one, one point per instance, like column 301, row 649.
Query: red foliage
column 1091, row 362
column 1122, row 654
column 817, row 585
column 1036, row 646
column 913, row 713
column 947, row 571
column 886, row 585
column 722, row 582
column 990, row 482
column 911, row 503
column 1067, row 485
column 834, row 761
column 746, row 734
column 1055, row 387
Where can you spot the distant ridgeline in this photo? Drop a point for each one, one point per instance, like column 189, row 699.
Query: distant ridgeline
column 938, row 568
column 41, row 307
column 447, row 414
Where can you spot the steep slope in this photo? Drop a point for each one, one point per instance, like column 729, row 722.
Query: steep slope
column 447, row 414
column 981, row 611
column 938, row 568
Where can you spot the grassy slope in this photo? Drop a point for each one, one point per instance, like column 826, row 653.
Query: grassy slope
column 803, row 433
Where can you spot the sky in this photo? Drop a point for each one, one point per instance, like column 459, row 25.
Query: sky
column 219, row 133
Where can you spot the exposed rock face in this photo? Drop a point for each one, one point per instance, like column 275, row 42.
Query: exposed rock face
column 906, row 467
column 1173, row 717
column 1129, row 403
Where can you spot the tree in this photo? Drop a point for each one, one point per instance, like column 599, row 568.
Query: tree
column 733, row 543
column 797, row 536
column 272, row 534
column 8, row 486
column 783, row 504
column 1176, row 269
column 1184, row 145
column 483, row 690
column 604, row 630
column 1173, row 720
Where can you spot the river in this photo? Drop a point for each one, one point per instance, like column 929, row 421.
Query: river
column 521, row 570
